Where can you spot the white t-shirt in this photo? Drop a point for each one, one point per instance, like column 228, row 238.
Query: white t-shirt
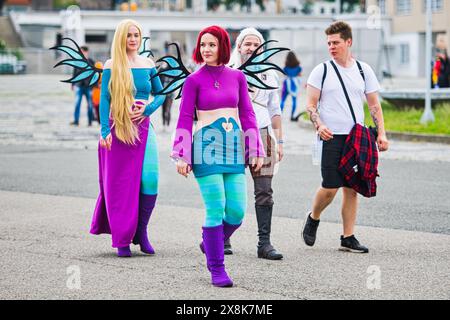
column 334, row 110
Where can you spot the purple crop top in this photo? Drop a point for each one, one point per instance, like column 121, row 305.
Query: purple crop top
column 199, row 92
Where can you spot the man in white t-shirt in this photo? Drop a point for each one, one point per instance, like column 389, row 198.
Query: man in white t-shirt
column 266, row 104
column 334, row 121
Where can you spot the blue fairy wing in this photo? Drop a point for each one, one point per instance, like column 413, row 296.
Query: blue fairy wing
column 83, row 68
column 258, row 63
column 143, row 50
column 175, row 70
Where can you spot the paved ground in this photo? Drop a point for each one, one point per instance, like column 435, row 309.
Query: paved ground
column 48, row 187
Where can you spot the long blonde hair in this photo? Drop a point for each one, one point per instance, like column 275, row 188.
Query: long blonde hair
column 121, row 85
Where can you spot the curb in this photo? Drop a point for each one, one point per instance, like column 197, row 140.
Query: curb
column 402, row 136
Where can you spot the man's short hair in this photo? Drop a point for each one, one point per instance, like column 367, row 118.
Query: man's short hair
column 341, row 27
column 84, row 48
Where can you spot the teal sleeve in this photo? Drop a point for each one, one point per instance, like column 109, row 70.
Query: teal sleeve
column 158, row 99
column 105, row 100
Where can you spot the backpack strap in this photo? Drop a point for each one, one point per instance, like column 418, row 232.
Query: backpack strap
column 361, row 72
column 323, row 79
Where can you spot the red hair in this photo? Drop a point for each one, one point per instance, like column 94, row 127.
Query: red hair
column 224, row 44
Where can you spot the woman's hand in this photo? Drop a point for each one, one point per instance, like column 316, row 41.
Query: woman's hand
column 183, row 168
column 257, row 163
column 137, row 113
column 106, row 143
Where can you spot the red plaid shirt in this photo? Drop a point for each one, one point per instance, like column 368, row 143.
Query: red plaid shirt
column 359, row 161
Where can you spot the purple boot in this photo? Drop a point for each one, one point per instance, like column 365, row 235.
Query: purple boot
column 124, row 252
column 213, row 245
column 146, row 205
column 228, row 230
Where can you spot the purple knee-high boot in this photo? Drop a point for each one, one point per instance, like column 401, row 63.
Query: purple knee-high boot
column 228, row 230
column 213, row 244
column 146, row 205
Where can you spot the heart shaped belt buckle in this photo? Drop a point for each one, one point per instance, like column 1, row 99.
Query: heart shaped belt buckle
column 227, row 126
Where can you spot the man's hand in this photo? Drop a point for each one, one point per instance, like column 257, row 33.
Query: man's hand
column 324, row 133
column 382, row 142
column 257, row 163
column 280, row 151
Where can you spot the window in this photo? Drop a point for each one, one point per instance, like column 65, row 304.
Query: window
column 403, row 7
column 436, row 5
column 95, row 38
column 404, row 53
column 382, row 6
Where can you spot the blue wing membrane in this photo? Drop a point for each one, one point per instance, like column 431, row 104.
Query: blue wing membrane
column 143, row 51
column 84, row 69
column 258, row 63
column 176, row 70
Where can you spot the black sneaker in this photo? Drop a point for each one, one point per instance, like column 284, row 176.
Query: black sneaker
column 74, row 123
column 310, row 230
column 351, row 244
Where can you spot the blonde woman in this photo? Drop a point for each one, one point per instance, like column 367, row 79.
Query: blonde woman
column 128, row 155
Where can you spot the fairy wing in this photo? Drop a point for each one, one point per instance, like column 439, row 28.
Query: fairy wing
column 175, row 70
column 84, row 70
column 258, row 63
column 143, row 50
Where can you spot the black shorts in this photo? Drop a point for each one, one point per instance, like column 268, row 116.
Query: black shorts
column 331, row 156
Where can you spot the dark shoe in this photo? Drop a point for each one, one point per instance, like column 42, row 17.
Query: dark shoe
column 213, row 246
column 264, row 219
column 310, row 230
column 74, row 123
column 227, row 247
column 228, row 230
column 351, row 244
column 269, row 252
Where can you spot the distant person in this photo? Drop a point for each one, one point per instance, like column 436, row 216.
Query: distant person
column 291, row 85
column 167, row 105
column 441, row 70
column 83, row 89
column 96, row 93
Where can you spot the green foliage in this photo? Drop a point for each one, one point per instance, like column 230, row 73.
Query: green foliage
column 2, row 46
column 408, row 120
column 16, row 52
column 63, row 4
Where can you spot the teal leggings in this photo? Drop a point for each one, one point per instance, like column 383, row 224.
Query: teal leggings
column 150, row 169
column 225, row 198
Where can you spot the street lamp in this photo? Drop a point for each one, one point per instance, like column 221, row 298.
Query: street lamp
column 427, row 115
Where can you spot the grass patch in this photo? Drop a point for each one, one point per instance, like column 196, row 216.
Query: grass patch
column 408, row 120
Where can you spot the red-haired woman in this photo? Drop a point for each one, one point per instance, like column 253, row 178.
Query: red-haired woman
column 215, row 153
